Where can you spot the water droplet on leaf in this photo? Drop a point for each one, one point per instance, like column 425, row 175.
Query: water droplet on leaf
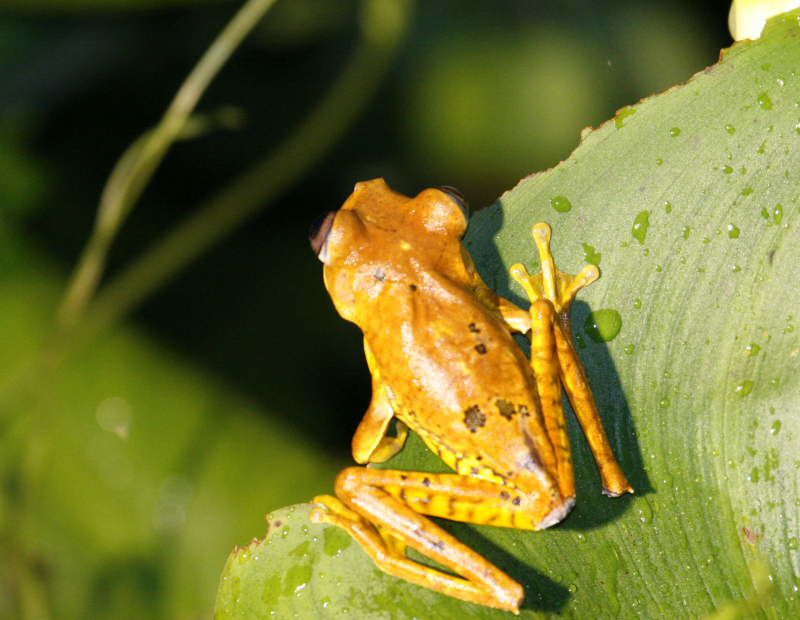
column 640, row 225
column 603, row 325
column 560, row 203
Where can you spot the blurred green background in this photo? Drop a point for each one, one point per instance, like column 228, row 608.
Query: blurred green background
column 131, row 468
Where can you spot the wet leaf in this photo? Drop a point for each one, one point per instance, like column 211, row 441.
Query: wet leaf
column 692, row 201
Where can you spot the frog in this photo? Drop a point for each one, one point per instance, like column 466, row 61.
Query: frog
column 444, row 363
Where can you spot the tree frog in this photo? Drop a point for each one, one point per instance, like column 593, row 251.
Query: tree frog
column 439, row 346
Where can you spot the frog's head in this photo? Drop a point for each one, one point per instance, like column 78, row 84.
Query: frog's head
column 380, row 237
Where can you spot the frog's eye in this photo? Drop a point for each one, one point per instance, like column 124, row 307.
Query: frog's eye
column 457, row 197
column 318, row 233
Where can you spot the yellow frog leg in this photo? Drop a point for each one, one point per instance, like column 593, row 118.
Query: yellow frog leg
column 382, row 510
column 559, row 289
column 580, row 395
column 370, row 443
column 545, row 364
column 517, row 319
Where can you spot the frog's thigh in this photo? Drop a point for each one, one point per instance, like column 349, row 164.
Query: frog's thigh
column 387, row 500
column 456, row 497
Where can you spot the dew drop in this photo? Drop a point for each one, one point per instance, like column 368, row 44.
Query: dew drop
column 645, row 510
column 728, row 170
column 630, row 349
column 603, row 325
column 730, row 129
column 733, row 231
column 560, row 203
column 637, row 303
column 747, row 191
column 675, row 132
column 764, row 101
column 591, row 255
column 664, row 403
column 686, row 232
column 777, row 213
column 744, row 388
column 776, row 427
column 640, row 225
column 667, row 207
column 660, row 161
column 752, row 349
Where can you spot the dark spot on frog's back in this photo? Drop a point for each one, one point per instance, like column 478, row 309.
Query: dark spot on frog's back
column 474, row 418
column 481, row 348
column 474, row 328
column 413, row 287
column 506, row 409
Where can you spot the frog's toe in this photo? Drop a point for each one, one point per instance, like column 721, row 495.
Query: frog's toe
column 330, row 509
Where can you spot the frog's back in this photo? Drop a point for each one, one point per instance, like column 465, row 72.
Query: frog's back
column 458, row 378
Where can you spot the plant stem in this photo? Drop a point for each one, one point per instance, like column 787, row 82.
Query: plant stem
column 383, row 23
column 137, row 165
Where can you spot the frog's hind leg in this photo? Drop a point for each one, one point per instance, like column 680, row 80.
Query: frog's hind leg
column 544, row 361
column 400, row 526
column 383, row 510
column 559, row 289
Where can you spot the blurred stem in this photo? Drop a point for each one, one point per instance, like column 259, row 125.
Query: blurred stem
column 383, row 23
column 136, row 166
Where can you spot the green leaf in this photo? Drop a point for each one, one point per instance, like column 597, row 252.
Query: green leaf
column 690, row 203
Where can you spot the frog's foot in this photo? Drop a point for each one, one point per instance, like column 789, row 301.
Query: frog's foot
column 558, row 287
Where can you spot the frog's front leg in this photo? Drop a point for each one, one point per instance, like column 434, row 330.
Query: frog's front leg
column 383, row 510
column 370, row 442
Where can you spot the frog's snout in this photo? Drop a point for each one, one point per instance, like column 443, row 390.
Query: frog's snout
column 318, row 233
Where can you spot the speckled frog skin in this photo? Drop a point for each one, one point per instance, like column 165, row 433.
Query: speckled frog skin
column 444, row 364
